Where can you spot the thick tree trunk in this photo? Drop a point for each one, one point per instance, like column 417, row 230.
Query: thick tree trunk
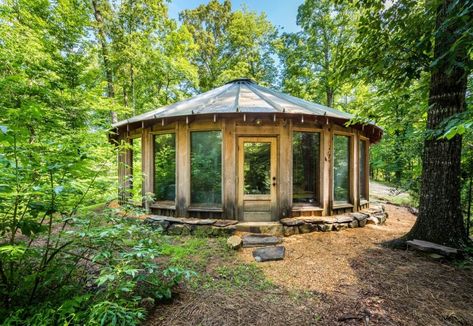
column 105, row 55
column 440, row 217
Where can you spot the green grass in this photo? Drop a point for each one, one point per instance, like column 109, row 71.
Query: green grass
column 216, row 266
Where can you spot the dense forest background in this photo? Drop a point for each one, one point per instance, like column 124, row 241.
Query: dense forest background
column 69, row 68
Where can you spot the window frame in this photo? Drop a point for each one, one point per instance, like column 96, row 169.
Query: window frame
column 164, row 203
column 318, row 187
column 195, row 206
column 365, row 191
column 350, row 199
column 129, row 176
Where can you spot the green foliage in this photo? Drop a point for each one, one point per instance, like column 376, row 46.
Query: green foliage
column 230, row 44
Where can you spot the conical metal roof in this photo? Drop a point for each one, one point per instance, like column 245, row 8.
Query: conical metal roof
column 239, row 95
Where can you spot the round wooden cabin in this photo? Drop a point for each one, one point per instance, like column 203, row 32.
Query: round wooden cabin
column 245, row 152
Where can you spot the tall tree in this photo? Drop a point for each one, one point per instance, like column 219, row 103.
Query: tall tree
column 230, row 44
column 328, row 36
column 98, row 7
column 399, row 42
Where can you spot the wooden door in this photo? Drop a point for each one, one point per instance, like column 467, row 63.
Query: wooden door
column 257, row 179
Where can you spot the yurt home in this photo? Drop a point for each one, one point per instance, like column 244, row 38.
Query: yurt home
column 245, row 152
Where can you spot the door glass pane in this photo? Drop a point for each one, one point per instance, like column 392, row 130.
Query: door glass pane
column 341, row 164
column 257, row 168
column 362, row 156
column 137, row 173
column 305, row 167
column 165, row 167
column 206, row 168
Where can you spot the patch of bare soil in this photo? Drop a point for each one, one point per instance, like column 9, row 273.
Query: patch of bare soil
column 338, row 278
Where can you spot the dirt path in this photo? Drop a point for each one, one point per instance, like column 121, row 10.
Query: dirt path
column 337, row 278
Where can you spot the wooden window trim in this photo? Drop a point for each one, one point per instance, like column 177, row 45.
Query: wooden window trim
column 319, row 186
column 157, row 203
column 351, row 167
column 203, row 128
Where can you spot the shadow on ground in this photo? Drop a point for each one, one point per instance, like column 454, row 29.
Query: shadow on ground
column 339, row 278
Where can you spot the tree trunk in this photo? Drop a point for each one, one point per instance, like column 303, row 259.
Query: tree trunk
column 468, row 214
column 105, row 55
column 440, row 217
column 329, row 94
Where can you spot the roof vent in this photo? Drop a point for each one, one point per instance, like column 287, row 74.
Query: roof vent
column 239, row 80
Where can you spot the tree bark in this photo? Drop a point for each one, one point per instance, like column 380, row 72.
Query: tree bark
column 440, row 217
column 105, row 55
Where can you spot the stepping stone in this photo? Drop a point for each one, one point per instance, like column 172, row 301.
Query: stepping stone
column 260, row 240
column 431, row 247
column 269, row 253
column 223, row 223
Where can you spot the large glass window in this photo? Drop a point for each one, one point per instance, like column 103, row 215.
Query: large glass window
column 136, row 181
column 341, row 168
column 362, row 162
column 206, row 168
column 165, row 167
column 305, row 167
column 257, row 168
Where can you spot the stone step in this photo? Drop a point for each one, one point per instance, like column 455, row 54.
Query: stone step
column 269, row 253
column 260, row 240
column 273, row 228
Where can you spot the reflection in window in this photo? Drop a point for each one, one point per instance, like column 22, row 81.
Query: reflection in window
column 206, row 168
column 257, row 168
column 362, row 163
column 341, row 165
column 165, row 167
column 136, row 181
column 305, row 167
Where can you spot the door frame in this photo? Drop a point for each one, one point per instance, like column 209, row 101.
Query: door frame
column 273, row 141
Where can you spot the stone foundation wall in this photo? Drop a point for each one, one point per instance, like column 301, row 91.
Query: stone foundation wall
column 287, row 226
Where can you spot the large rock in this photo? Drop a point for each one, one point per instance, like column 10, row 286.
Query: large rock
column 359, row 216
column 324, row 227
column 259, row 240
column 353, row 224
column 345, row 219
column 362, row 223
column 179, row 229
column 291, row 222
column 197, row 221
column 223, row 223
column 170, row 219
column 290, row 230
column 372, row 220
column 318, row 219
column 269, row 253
column 339, row 226
column 307, row 228
column 234, row 242
column 433, row 248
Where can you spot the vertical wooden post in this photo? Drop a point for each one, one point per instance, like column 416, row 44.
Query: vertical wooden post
column 229, row 169
column 326, row 197
column 125, row 158
column 147, row 162
column 183, row 169
column 355, row 171
column 284, row 179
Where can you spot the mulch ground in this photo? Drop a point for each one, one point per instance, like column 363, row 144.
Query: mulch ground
column 338, row 278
